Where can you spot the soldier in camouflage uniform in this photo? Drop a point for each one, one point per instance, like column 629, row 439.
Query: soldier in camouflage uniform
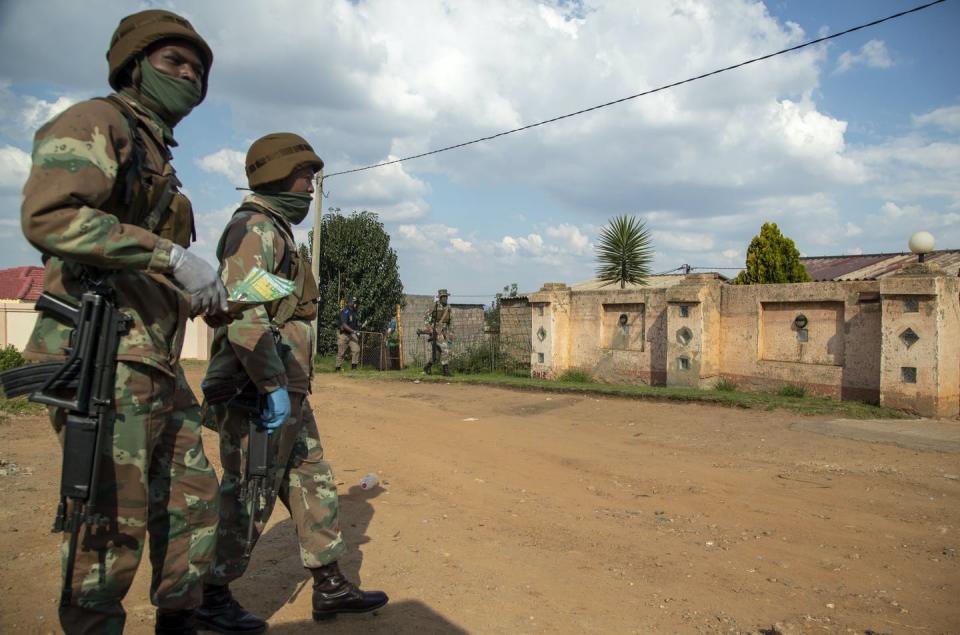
column 102, row 203
column 280, row 169
column 438, row 321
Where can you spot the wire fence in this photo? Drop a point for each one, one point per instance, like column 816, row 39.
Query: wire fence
column 487, row 353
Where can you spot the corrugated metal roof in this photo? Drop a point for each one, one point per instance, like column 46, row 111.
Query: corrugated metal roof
column 875, row 266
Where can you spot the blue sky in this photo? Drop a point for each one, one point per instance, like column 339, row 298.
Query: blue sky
column 850, row 146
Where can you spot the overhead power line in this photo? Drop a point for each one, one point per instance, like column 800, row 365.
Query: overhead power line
column 647, row 92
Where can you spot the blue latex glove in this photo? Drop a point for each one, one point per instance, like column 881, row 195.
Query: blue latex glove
column 277, row 409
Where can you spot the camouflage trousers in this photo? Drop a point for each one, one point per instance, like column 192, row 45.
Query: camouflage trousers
column 351, row 341
column 301, row 479
column 441, row 349
column 156, row 481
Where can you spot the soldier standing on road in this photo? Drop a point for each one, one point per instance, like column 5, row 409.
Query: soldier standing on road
column 348, row 334
column 102, row 203
column 280, row 169
column 438, row 319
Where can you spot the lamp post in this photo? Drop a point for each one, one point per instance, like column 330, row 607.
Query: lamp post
column 315, row 248
column 921, row 243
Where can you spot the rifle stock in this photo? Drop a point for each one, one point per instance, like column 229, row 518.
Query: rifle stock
column 83, row 386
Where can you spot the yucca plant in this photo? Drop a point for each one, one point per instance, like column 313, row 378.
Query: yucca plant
column 624, row 252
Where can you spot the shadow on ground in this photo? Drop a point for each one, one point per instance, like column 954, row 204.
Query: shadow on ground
column 400, row 618
column 276, row 575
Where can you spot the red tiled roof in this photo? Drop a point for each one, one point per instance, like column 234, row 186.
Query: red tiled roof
column 21, row 283
column 875, row 266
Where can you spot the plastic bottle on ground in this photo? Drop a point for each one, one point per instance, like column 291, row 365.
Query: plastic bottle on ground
column 369, row 481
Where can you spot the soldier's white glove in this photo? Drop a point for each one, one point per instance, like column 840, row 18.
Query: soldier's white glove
column 200, row 280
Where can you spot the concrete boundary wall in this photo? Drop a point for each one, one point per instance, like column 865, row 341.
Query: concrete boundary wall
column 894, row 341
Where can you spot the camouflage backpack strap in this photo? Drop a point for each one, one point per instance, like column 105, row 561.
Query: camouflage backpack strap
column 156, row 204
column 131, row 172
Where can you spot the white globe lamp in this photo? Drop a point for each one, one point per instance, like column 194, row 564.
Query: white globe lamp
column 921, row 243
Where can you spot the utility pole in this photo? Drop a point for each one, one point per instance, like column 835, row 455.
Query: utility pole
column 315, row 247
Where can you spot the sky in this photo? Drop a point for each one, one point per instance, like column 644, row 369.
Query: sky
column 849, row 146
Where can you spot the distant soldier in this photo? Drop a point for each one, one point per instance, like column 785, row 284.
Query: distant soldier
column 348, row 334
column 439, row 332
column 103, row 204
column 280, row 169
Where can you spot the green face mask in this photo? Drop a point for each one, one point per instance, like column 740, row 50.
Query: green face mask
column 291, row 205
column 173, row 97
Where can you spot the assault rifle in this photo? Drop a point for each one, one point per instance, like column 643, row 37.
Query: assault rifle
column 83, row 386
column 431, row 334
column 246, row 399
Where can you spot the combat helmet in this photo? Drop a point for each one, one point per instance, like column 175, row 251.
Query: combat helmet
column 138, row 31
column 442, row 293
column 275, row 156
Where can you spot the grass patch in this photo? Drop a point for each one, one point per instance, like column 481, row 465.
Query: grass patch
column 792, row 391
column 725, row 385
column 19, row 407
column 574, row 376
column 761, row 401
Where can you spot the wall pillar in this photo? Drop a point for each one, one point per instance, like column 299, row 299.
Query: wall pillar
column 693, row 331
column 550, row 330
column 920, row 342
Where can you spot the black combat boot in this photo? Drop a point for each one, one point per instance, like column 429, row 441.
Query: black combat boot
column 446, row 370
column 353, row 367
column 175, row 622
column 221, row 613
column 333, row 593
column 428, row 367
column 338, row 369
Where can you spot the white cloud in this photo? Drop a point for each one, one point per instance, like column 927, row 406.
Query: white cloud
column 730, row 254
column 873, row 54
column 391, row 191
column 559, row 22
column 14, row 168
column 462, row 246
column 570, row 238
column 947, row 118
column 225, row 162
column 690, row 242
column 37, row 111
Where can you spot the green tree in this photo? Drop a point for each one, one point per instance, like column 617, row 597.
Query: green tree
column 624, row 252
column 772, row 258
column 355, row 260
column 491, row 316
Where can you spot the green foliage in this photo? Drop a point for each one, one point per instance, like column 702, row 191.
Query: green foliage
column 792, row 391
column 491, row 315
column 355, row 260
column 487, row 356
column 575, row 376
column 772, row 258
column 10, row 357
column 624, row 251
column 725, row 385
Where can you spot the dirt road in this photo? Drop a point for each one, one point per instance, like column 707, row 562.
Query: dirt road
column 510, row 512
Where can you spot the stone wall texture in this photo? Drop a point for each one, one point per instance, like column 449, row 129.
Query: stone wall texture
column 894, row 341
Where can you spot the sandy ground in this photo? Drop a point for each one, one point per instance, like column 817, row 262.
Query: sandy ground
column 512, row 512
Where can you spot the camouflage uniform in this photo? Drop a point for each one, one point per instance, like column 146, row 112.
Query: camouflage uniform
column 95, row 213
column 439, row 317
column 259, row 236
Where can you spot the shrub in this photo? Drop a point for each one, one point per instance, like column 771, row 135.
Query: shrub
column 792, row 391
column 10, row 357
column 725, row 385
column 575, row 376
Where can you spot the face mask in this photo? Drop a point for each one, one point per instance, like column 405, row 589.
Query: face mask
column 291, row 205
column 173, row 97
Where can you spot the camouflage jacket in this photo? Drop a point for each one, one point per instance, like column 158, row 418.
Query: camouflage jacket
column 258, row 236
column 102, row 201
column 439, row 315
